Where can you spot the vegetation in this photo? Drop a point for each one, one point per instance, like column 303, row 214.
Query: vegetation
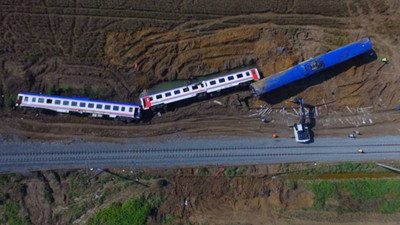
column 284, row 168
column 169, row 219
column 11, row 100
column 241, row 170
column 346, row 167
column 86, row 91
column 202, row 171
column 292, row 184
column 380, row 195
column 77, row 211
column 231, row 172
column 6, row 178
column 48, row 194
column 11, row 210
column 132, row 212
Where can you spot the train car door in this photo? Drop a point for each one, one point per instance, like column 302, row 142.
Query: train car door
column 147, row 102
column 19, row 101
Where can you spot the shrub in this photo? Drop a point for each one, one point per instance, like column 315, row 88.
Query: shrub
column 230, row 172
column 11, row 100
column 202, row 171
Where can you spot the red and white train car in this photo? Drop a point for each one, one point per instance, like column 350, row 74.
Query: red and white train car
column 199, row 88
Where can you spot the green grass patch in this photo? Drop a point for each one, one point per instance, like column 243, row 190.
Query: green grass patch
column 78, row 211
column 346, row 167
column 132, row 212
column 284, row 168
column 292, row 184
column 380, row 195
column 11, row 210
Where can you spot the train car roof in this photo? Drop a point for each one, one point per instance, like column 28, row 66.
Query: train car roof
column 78, row 99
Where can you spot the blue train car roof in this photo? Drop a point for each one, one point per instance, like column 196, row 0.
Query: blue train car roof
column 312, row 66
column 78, row 99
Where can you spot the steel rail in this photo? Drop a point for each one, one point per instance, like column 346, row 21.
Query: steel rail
column 180, row 150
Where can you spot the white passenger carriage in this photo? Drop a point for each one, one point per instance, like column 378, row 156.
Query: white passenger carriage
column 199, row 88
column 79, row 105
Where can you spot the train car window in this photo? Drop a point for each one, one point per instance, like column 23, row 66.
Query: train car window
column 115, row 108
column 222, row 80
column 239, row 75
column 201, row 85
column 136, row 111
column 130, row 109
column 195, row 87
column 123, row 109
column 65, row 102
column 247, row 74
column 91, row 105
column 230, row 78
column 41, row 100
column 57, row 102
column 151, row 98
column 186, row 89
column 82, row 104
column 74, row 103
column 177, row 92
column 49, row 101
column 107, row 107
column 158, row 96
column 26, row 99
column 99, row 106
column 213, row 82
column 167, row 94
column 33, row 99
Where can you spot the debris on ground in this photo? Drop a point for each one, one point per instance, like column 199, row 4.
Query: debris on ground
column 218, row 102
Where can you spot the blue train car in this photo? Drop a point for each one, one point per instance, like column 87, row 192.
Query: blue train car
column 311, row 66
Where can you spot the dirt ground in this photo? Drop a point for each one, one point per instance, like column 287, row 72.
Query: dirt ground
column 258, row 195
column 89, row 48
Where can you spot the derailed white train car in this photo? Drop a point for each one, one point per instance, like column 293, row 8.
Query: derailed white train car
column 199, row 88
column 79, row 105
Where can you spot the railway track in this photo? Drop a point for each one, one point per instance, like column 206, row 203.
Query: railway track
column 46, row 156
column 153, row 153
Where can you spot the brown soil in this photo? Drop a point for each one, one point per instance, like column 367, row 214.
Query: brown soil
column 254, row 197
column 91, row 47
